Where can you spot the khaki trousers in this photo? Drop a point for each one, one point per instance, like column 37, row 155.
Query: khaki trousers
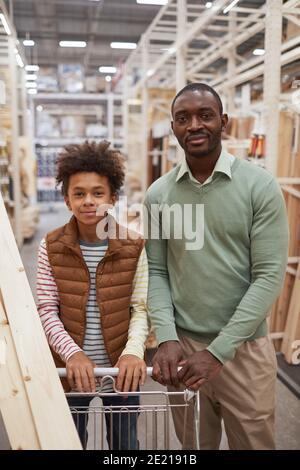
column 242, row 395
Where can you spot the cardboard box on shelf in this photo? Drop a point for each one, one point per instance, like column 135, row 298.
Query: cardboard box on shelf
column 47, row 126
column 96, row 130
column 71, row 78
column 94, row 84
column 72, row 126
column 47, row 79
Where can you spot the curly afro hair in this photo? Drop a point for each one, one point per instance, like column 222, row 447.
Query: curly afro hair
column 90, row 157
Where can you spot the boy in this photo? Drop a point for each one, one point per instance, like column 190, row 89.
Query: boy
column 92, row 292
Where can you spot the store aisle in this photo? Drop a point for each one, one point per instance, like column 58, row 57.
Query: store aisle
column 288, row 410
column 50, row 219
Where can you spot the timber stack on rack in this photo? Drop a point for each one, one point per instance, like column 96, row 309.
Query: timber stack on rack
column 32, row 402
column 285, row 318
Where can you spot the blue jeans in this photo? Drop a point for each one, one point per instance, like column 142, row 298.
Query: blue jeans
column 121, row 427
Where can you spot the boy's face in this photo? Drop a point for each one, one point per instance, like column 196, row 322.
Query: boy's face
column 87, row 191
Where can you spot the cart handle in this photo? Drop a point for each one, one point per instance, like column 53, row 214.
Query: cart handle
column 102, row 371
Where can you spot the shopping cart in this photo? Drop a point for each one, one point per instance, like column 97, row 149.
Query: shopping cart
column 153, row 410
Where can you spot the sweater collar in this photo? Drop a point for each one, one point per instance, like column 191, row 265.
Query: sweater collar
column 223, row 165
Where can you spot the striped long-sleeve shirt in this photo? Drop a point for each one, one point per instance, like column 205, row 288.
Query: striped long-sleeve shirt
column 93, row 347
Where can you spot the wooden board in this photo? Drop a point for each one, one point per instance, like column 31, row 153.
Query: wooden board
column 14, row 404
column 284, row 314
column 50, row 413
column 285, row 141
column 292, row 327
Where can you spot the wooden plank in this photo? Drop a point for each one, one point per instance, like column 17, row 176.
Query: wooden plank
column 288, row 180
column 280, row 309
column 293, row 259
column 14, row 404
column 291, row 271
column 285, row 142
column 51, row 415
column 288, row 175
column 292, row 329
column 291, row 190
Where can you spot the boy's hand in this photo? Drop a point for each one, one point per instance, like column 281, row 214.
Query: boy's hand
column 132, row 372
column 80, row 373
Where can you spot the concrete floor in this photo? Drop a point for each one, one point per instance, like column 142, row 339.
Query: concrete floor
column 288, row 406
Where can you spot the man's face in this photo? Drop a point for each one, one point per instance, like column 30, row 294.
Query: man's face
column 87, row 191
column 197, row 123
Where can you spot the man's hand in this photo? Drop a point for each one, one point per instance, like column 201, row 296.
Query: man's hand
column 166, row 361
column 132, row 373
column 80, row 373
column 198, row 369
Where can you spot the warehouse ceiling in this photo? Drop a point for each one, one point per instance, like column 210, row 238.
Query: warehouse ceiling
column 97, row 22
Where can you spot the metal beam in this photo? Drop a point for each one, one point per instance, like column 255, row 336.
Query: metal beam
column 272, row 81
column 292, row 19
column 145, row 98
column 285, row 59
column 15, row 160
column 181, row 51
column 196, row 27
column 242, row 34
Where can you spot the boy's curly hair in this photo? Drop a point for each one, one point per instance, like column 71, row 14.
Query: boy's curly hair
column 90, row 157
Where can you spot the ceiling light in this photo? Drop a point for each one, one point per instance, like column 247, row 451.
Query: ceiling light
column 72, row 43
column 123, row 45
column 108, row 78
column 230, row 6
column 32, row 68
column 259, row 52
column 5, row 24
column 31, row 85
column 172, row 50
column 209, row 4
column 39, row 108
column 19, row 60
column 28, row 42
column 107, row 69
column 30, row 76
column 152, row 2
column 150, row 73
column 32, row 91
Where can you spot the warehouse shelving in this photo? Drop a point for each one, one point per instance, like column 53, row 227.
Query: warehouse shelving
column 13, row 124
column 105, row 108
column 112, row 103
column 187, row 41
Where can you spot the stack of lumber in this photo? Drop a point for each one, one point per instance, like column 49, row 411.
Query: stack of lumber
column 32, row 402
column 285, row 317
column 30, row 220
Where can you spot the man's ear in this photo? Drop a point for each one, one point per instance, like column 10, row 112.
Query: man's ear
column 67, row 201
column 224, row 119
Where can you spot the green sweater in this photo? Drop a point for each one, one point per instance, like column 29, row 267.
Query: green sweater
column 219, row 293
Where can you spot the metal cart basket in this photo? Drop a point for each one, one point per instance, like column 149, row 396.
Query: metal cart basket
column 152, row 412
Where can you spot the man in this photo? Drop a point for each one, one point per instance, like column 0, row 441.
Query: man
column 209, row 305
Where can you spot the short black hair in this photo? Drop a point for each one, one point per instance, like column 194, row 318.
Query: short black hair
column 93, row 157
column 199, row 87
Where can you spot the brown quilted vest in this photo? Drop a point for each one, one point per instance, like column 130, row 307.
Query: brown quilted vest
column 114, row 278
